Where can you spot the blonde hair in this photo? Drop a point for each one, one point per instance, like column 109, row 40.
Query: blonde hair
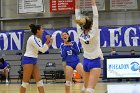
column 86, row 22
column 80, row 21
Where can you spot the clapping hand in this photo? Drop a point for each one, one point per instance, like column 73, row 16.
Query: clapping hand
column 49, row 40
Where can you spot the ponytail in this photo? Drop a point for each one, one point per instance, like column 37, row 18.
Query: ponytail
column 34, row 28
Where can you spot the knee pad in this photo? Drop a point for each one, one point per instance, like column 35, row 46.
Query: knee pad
column 83, row 89
column 40, row 83
column 24, row 84
column 90, row 90
column 68, row 83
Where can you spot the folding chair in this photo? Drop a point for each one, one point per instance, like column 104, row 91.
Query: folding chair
column 50, row 71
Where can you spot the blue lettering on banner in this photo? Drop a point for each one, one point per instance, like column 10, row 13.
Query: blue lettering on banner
column 109, row 37
column 122, row 36
column 11, row 40
column 118, row 66
column 56, row 34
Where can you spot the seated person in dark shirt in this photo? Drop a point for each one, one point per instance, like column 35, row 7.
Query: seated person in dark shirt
column 113, row 52
column 4, row 69
column 132, row 51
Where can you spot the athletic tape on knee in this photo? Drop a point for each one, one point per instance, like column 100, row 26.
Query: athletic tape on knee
column 90, row 90
column 68, row 83
column 24, row 84
column 40, row 83
column 84, row 89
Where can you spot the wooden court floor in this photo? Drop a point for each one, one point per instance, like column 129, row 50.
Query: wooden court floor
column 125, row 87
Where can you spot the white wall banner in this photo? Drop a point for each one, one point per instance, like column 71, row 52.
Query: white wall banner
column 123, row 4
column 85, row 5
column 30, row 6
column 123, row 67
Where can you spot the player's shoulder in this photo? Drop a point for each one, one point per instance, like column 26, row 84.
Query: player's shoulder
column 31, row 38
column 73, row 42
column 61, row 45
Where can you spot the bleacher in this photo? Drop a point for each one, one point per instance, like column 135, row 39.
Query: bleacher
column 121, row 50
column 14, row 59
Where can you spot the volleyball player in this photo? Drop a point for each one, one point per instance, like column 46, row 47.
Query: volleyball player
column 29, row 60
column 87, row 29
column 69, row 54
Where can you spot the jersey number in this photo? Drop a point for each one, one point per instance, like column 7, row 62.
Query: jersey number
column 69, row 52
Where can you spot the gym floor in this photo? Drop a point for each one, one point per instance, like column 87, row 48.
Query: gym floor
column 52, row 87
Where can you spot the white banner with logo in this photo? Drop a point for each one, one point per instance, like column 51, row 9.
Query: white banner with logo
column 123, row 4
column 85, row 5
column 30, row 6
column 123, row 67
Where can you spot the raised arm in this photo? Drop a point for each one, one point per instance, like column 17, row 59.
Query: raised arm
column 78, row 16
column 75, row 48
column 95, row 13
column 77, row 4
column 95, row 25
column 77, row 10
column 63, row 51
column 93, row 2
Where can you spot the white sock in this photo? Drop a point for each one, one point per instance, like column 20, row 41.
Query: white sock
column 6, row 80
column 90, row 90
column 83, row 89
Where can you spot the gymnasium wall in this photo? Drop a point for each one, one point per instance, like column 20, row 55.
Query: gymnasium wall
column 12, row 20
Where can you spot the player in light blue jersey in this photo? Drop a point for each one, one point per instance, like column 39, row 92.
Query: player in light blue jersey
column 89, row 34
column 29, row 60
column 69, row 54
